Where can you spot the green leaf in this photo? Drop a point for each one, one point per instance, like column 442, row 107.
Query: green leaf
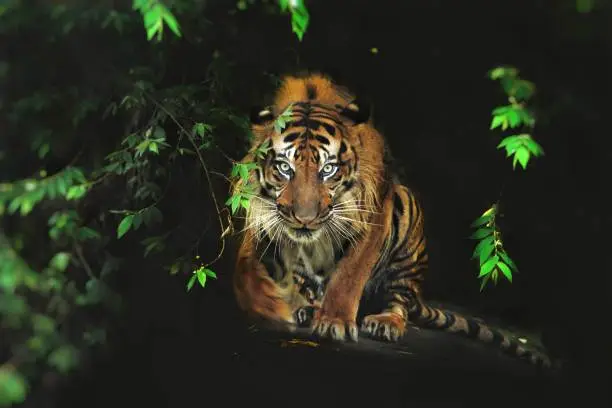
column 60, row 261
column 488, row 266
column 61, row 184
column 522, row 156
column 262, row 150
column 174, row 269
column 498, row 121
column 155, row 28
column 152, row 215
column 171, row 22
column 504, row 256
column 210, row 273
column 481, row 233
column 245, row 203
column 235, row 203
column 125, row 225
column 484, row 281
column 142, row 147
column 43, row 324
column 501, row 72
column 63, row 358
column 490, row 211
column 244, row 172
column 485, row 242
column 14, row 205
column 201, row 128
column 505, row 270
column 88, row 233
column 36, row 344
column 235, row 169
column 486, row 252
column 43, row 150
column 13, row 386
column 201, row 277
column 494, row 276
column 191, row 282
column 514, row 118
column 137, row 220
column 153, row 148
column 522, row 89
column 533, row 146
column 481, row 220
column 508, row 140
column 11, row 304
column 76, row 192
column 26, row 206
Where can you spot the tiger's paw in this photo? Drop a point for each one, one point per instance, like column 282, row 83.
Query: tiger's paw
column 334, row 328
column 386, row 326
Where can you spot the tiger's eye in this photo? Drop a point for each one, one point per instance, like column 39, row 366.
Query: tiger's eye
column 329, row 170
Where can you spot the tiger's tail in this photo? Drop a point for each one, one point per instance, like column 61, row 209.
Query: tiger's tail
column 430, row 317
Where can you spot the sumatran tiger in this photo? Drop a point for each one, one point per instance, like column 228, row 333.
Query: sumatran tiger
column 329, row 227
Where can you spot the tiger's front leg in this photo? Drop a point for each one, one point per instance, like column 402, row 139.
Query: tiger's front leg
column 260, row 296
column 402, row 276
column 336, row 319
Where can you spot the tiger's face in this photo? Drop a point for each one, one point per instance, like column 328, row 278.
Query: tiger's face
column 309, row 178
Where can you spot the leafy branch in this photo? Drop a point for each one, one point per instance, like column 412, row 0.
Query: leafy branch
column 493, row 259
column 225, row 230
column 490, row 252
column 515, row 115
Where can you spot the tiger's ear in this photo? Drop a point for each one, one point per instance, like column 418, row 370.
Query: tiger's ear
column 260, row 115
column 358, row 111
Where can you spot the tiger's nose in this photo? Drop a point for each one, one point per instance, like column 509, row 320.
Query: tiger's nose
column 305, row 218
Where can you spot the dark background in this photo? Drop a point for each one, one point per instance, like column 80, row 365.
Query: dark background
column 432, row 100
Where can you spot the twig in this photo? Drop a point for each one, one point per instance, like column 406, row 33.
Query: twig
column 206, row 174
column 84, row 263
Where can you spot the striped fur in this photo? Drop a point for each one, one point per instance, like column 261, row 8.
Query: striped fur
column 331, row 232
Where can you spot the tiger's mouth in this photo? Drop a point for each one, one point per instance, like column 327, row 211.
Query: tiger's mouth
column 303, row 234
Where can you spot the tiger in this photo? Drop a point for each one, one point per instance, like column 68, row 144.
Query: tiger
column 332, row 240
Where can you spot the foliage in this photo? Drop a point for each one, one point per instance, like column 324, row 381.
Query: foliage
column 492, row 258
column 490, row 252
column 201, row 274
column 515, row 115
column 54, row 284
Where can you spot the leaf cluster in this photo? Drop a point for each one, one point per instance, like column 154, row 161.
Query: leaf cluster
column 492, row 258
column 515, row 115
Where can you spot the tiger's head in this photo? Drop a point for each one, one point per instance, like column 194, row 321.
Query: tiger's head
column 321, row 175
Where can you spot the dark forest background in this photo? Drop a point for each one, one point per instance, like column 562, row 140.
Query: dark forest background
column 80, row 77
